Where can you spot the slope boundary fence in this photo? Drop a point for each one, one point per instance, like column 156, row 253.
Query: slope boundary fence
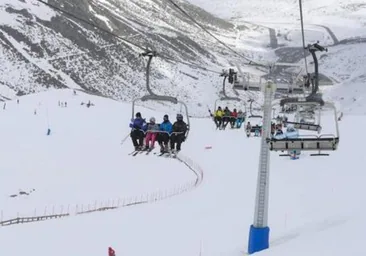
column 62, row 211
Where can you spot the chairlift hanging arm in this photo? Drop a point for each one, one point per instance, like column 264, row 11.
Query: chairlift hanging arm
column 251, row 110
column 231, row 77
column 155, row 97
column 313, row 48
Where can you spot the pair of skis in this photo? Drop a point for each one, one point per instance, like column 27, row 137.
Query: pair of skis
column 137, row 152
column 171, row 154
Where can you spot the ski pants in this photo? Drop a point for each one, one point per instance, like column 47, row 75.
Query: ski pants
column 163, row 138
column 232, row 121
column 239, row 122
column 176, row 139
column 137, row 137
column 218, row 121
column 150, row 136
column 225, row 120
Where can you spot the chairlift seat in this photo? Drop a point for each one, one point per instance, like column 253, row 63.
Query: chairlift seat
column 306, row 144
column 255, row 128
column 305, row 126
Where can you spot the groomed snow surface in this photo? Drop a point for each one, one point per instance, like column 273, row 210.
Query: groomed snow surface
column 316, row 203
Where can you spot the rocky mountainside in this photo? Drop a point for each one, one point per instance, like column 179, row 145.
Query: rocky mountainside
column 43, row 48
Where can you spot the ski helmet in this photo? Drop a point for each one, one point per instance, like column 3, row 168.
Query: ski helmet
column 166, row 117
column 152, row 120
column 179, row 117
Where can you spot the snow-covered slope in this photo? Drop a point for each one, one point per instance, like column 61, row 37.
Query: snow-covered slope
column 43, row 48
column 336, row 24
column 315, row 202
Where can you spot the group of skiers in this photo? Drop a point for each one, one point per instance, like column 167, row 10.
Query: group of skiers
column 166, row 133
column 223, row 117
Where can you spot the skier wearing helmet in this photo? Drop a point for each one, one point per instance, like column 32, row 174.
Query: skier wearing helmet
column 165, row 131
column 152, row 130
column 179, row 131
column 137, row 131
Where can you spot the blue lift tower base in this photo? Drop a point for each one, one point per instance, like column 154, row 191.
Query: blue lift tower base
column 258, row 239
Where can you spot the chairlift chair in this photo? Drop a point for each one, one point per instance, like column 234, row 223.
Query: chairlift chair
column 324, row 142
column 231, row 75
column 297, row 123
column 158, row 98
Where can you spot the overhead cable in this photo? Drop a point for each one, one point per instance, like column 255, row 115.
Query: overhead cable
column 119, row 37
column 303, row 36
column 251, row 62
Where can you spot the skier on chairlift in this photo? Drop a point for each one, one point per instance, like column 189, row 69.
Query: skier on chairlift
column 152, row 130
column 218, row 117
column 164, row 136
column 226, row 117
column 248, row 129
column 233, row 118
column 178, row 135
column 273, row 128
column 137, row 133
column 240, row 119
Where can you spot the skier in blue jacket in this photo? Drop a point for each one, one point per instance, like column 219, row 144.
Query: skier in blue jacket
column 138, row 126
column 166, row 129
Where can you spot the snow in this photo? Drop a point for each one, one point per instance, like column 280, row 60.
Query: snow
column 32, row 6
column 101, row 17
column 42, row 63
column 312, row 208
column 162, row 206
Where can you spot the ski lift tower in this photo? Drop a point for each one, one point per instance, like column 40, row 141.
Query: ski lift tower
column 259, row 230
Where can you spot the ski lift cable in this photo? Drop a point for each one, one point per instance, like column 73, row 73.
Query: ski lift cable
column 303, row 35
column 119, row 37
column 251, row 62
column 89, row 23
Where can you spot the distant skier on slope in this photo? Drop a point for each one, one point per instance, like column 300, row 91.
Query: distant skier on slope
column 137, row 133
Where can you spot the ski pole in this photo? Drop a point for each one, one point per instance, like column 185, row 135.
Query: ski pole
column 125, row 138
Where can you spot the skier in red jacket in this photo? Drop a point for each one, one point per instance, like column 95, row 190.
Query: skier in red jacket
column 234, row 116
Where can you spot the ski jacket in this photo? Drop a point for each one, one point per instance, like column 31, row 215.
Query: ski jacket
column 241, row 115
column 227, row 113
column 180, row 126
column 166, row 126
column 234, row 114
column 138, row 123
column 219, row 113
column 152, row 127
